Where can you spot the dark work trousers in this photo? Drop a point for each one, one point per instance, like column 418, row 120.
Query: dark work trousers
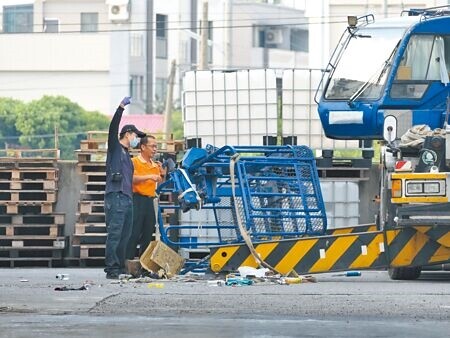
column 118, row 216
column 144, row 220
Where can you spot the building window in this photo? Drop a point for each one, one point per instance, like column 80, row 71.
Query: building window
column 136, row 44
column 161, row 26
column 160, row 89
column 89, row 22
column 137, row 89
column 299, row 40
column 161, row 36
column 18, row 19
column 51, row 25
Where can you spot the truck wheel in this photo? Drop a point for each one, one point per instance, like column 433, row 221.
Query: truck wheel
column 405, row 273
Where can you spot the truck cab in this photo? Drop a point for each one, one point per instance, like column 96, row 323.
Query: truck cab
column 395, row 67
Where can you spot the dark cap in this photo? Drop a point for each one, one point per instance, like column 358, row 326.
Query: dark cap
column 131, row 128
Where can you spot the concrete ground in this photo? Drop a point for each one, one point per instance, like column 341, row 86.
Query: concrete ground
column 371, row 305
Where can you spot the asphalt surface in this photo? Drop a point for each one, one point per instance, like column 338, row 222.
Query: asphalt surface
column 371, row 305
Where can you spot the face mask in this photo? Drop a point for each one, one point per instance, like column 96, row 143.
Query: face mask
column 134, row 142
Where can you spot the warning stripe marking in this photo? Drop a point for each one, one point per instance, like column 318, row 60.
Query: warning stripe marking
column 440, row 234
column 350, row 249
column 353, row 252
column 441, row 254
column 263, row 251
column 412, row 243
column 222, row 256
column 373, row 252
column 333, row 253
column 295, row 255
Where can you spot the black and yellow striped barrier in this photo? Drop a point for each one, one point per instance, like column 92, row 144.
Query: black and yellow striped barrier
column 359, row 247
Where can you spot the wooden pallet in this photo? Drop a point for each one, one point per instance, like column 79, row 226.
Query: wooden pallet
column 96, row 140
column 95, row 186
column 94, row 177
column 88, row 157
column 48, row 230
column 29, row 154
column 32, row 219
column 31, row 253
column 29, row 256
column 28, row 196
column 97, row 217
column 92, row 196
column 28, row 185
column 91, row 207
column 24, row 242
column 89, row 239
column 25, row 208
column 89, row 228
column 91, row 167
column 89, row 251
column 22, row 262
column 11, row 174
column 344, row 173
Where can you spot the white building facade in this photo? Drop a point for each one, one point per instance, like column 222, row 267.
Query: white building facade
column 95, row 51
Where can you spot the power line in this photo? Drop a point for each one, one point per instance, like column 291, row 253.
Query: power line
column 190, row 21
column 190, row 28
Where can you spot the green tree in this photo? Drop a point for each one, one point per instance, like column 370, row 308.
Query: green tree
column 177, row 125
column 9, row 110
column 36, row 124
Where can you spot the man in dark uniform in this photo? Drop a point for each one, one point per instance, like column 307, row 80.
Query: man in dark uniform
column 118, row 191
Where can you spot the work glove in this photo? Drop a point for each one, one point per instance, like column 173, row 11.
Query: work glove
column 126, row 100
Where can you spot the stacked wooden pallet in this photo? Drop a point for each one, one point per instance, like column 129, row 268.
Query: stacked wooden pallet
column 89, row 237
column 31, row 233
column 90, row 234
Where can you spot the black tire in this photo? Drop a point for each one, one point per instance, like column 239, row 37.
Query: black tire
column 405, row 273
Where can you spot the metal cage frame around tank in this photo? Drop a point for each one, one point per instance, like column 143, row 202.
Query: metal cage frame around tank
column 277, row 191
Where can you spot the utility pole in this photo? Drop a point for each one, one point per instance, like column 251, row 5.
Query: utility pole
column 169, row 100
column 266, row 49
column 204, row 39
column 229, row 34
column 149, row 49
column 385, row 8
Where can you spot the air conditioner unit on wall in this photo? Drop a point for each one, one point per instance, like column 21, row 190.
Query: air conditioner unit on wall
column 118, row 10
column 274, row 36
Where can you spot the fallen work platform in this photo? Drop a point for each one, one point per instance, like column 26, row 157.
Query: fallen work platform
column 360, row 247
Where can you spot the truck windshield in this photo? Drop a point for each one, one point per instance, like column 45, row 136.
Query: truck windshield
column 362, row 70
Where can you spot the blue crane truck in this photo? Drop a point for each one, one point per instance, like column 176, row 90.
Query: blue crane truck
column 387, row 80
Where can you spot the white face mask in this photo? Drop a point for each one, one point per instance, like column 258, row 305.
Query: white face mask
column 134, row 142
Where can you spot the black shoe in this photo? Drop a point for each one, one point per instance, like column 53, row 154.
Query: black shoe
column 112, row 275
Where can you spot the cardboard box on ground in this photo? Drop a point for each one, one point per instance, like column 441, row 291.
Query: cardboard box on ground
column 159, row 256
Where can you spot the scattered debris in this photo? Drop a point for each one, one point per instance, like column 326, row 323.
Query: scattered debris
column 155, row 285
column 62, row 276
column 65, row 288
column 159, row 256
column 348, row 274
column 237, row 280
column 216, row 282
column 134, row 267
column 297, row 280
column 248, row 271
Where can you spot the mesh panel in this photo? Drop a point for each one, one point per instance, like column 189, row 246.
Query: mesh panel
column 277, row 196
column 280, row 199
